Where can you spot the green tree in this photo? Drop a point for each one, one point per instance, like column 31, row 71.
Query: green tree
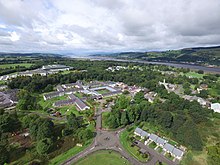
column 166, row 119
column 190, row 137
column 124, row 118
column 4, row 155
column 9, row 122
column 45, row 130
column 73, row 122
column 200, row 72
column 139, row 97
column 44, row 146
column 203, row 94
column 85, row 134
column 214, row 154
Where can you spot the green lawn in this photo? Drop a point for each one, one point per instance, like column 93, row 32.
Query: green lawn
column 173, row 142
column 2, row 66
column 79, row 95
column 133, row 151
column 161, row 163
column 66, row 155
column 64, row 110
column 194, row 75
column 103, row 91
column 49, row 103
column 167, row 155
column 152, row 145
column 2, row 82
column 103, row 157
column 160, row 149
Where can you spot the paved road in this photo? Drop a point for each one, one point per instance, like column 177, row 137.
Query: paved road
column 105, row 140
column 109, row 140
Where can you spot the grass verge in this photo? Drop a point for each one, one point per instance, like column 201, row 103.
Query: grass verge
column 68, row 154
column 104, row 157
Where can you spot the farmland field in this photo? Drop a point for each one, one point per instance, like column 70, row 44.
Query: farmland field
column 2, row 66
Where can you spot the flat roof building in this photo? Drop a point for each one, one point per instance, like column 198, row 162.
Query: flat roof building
column 215, row 107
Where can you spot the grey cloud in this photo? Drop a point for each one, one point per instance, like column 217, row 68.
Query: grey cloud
column 109, row 25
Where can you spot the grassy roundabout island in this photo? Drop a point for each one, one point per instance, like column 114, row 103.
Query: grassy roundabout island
column 108, row 157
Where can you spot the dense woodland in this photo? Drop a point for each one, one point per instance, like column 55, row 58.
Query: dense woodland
column 175, row 115
column 45, row 136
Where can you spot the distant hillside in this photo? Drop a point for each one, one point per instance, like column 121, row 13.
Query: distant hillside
column 198, row 55
column 2, row 54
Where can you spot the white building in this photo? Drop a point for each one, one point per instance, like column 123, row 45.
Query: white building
column 215, row 107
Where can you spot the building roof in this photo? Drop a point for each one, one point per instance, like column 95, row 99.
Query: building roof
column 48, row 67
column 144, row 134
column 72, row 89
column 161, row 141
column 104, row 87
column 60, row 88
column 143, row 151
column 5, row 100
column 3, row 87
column 153, row 137
column 80, row 104
column 63, row 102
column 177, row 152
column 138, row 130
column 71, row 85
column 215, row 107
column 52, row 94
column 168, row 147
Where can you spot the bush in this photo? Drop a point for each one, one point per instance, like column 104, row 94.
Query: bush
column 145, row 155
column 200, row 72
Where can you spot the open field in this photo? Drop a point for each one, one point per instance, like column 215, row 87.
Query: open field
column 194, row 75
column 103, row 157
column 2, row 66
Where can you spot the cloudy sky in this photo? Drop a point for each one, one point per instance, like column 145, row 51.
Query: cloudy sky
column 107, row 25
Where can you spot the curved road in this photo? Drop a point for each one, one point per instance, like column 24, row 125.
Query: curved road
column 109, row 140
